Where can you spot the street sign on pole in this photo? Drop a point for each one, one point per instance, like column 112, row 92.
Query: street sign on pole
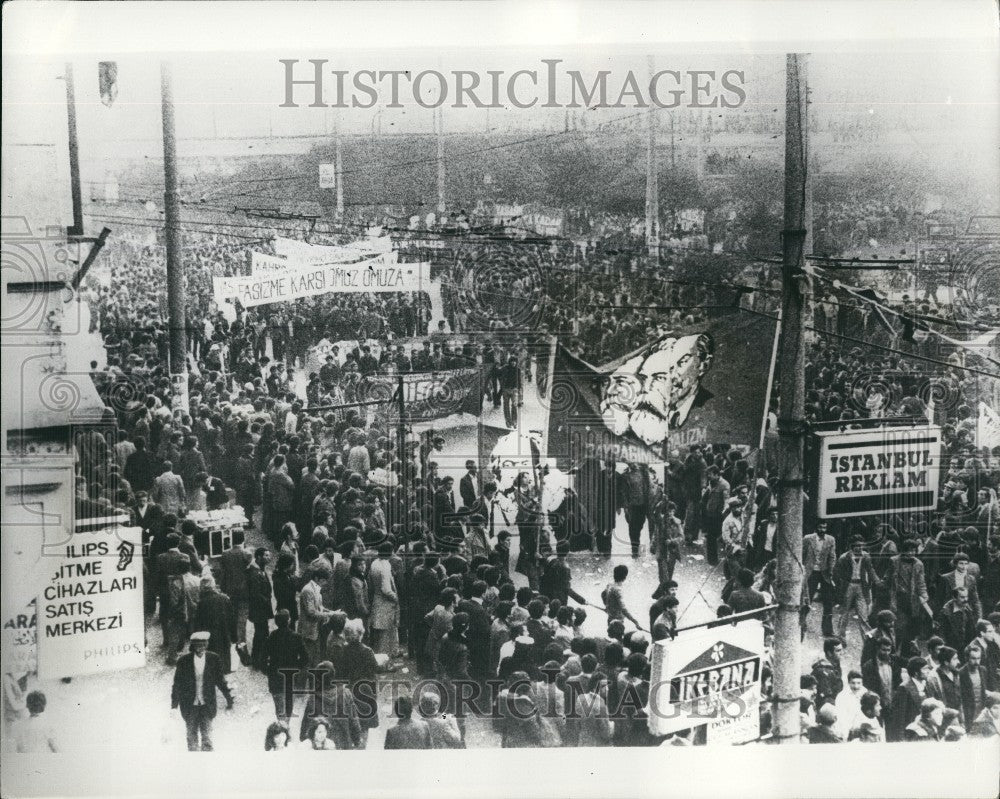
column 328, row 176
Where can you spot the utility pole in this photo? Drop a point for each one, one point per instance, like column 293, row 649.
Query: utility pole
column 791, row 425
column 338, row 169
column 177, row 313
column 74, row 155
column 652, row 182
column 440, row 160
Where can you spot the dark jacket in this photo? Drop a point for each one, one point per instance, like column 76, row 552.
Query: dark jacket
column 842, row 575
column 821, row 734
column 743, row 599
column 904, row 711
column 829, row 681
column 215, row 614
column 957, row 626
column 357, row 668
column 233, row 572
column 408, row 734
column 141, row 469
column 183, row 690
column 972, row 700
column 337, row 707
column 467, row 490
column 872, row 680
column 478, row 637
column 283, row 649
column 951, row 691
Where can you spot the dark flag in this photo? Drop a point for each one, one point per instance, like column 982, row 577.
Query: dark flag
column 107, row 74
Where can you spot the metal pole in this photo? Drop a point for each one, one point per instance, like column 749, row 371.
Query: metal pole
column 74, row 155
column 652, row 182
column 177, row 313
column 791, row 427
column 339, row 171
column 440, row 161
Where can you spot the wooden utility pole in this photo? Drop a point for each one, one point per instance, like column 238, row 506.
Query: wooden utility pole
column 338, row 169
column 652, row 182
column 74, row 155
column 440, row 160
column 791, row 410
column 176, row 310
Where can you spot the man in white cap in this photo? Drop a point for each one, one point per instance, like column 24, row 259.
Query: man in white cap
column 198, row 674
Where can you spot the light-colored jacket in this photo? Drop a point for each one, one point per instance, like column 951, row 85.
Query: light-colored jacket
column 384, row 596
column 822, row 553
column 311, row 611
column 169, row 493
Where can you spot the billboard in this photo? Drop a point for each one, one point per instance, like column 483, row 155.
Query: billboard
column 877, row 471
column 709, row 676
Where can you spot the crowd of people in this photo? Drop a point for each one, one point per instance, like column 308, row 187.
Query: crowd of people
column 356, row 557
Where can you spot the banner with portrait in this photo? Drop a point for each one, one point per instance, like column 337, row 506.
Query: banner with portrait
column 702, row 383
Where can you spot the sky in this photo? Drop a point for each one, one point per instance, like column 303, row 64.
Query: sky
column 922, row 92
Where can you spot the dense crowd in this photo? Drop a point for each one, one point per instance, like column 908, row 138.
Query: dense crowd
column 365, row 560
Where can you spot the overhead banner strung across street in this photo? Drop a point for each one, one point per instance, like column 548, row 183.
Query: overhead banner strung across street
column 876, row 471
column 332, row 253
column 709, row 676
column 368, row 276
column 90, row 615
column 703, row 383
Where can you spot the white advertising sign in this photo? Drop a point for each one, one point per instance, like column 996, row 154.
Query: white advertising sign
column 888, row 469
column 90, row 614
column 327, row 176
column 711, row 676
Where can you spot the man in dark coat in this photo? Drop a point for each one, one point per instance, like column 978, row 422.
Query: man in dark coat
column 478, row 632
column 881, row 675
column 260, row 607
column 357, row 669
column 309, row 487
column 956, row 621
column 468, row 485
column 409, row 733
column 744, row 597
column 556, row 577
column 169, row 563
column 333, row 702
column 972, row 681
column 446, row 529
column 141, row 467
column 233, row 581
column 284, row 650
column 907, row 700
column 215, row 615
column 148, row 516
column 196, row 678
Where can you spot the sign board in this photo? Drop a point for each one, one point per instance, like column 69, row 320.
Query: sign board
column 327, row 176
column 709, row 676
column 90, row 614
column 876, row 471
